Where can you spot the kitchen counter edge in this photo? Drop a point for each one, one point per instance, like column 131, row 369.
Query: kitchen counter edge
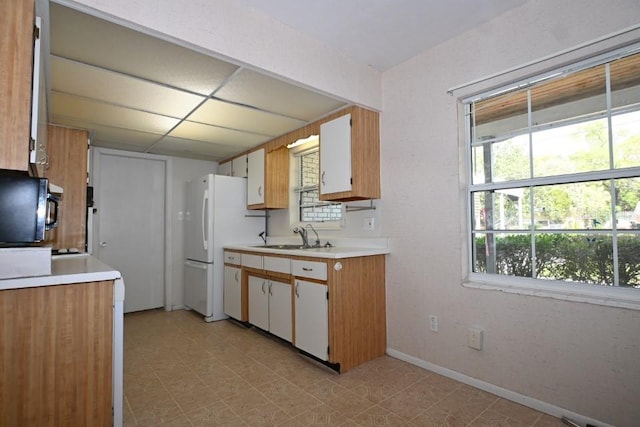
column 322, row 252
column 69, row 270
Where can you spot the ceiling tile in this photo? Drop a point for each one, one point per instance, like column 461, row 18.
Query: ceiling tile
column 220, row 113
column 94, row 112
column 84, row 38
column 260, row 91
column 233, row 138
column 180, row 147
column 90, row 82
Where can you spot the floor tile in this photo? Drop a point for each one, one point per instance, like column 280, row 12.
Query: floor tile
column 182, row 371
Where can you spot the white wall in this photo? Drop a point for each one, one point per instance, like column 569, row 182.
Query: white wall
column 576, row 356
column 183, row 170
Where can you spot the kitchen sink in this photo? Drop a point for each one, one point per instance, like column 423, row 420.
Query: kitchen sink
column 284, row 246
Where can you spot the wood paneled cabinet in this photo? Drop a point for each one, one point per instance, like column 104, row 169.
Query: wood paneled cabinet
column 56, row 365
column 16, row 69
column 268, row 178
column 336, row 307
column 350, row 156
column 68, row 169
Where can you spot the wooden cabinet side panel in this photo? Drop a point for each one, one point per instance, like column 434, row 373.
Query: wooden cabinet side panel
column 357, row 311
column 56, row 355
column 277, row 179
column 68, row 169
column 16, row 62
column 365, row 153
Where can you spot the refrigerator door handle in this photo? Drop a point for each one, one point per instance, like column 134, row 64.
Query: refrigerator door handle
column 205, row 201
column 198, row 265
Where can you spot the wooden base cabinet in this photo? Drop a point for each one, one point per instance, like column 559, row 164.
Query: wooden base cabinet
column 56, row 355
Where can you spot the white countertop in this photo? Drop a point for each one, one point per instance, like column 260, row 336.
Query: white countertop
column 69, row 269
column 350, row 248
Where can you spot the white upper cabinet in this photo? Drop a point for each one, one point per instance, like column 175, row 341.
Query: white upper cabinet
column 239, row 166
column 224, row 169
column 255, row 178
column 335, row 155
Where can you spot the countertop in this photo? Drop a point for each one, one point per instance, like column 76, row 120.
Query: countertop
column 349, row 248
column 70, row 269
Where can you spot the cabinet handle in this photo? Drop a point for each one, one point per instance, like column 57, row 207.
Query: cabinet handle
column 297, row 294
column 323, row 172
column 260, row 191
column 236, row 276
column 263, row 283
column 270, row 286
column 307, row 269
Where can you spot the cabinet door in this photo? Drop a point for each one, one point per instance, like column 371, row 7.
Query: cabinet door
column 255, row 178
column 259, row 302
column 16, row 66
column 335, row 155
column 225, row 169
column 312, row 318
column 280, row 309
column 232, row 292
column 239, row 166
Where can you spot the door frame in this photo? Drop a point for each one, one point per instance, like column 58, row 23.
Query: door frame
column 94, row 179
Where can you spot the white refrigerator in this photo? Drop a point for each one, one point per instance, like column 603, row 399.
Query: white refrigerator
column 216, row 215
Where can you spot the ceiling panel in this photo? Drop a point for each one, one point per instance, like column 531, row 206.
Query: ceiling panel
column 98, row 113
column 84, row 38
column 170, row 146
column 90, row 82
column 260, row 91
column 220, row 113
column 201, row 132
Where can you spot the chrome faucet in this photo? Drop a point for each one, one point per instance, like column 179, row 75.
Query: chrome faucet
column 317, row 243
column 303, row 234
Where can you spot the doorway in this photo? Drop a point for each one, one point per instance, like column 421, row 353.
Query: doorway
column 130, row 199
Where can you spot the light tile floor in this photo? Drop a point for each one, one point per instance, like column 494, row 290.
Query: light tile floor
column 181, row 371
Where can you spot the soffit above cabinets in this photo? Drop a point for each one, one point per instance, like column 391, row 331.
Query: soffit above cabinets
column 139, row 93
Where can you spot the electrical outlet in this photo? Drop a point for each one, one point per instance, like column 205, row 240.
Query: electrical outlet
column 368, row 224
column 474, row 338
column 433, row 323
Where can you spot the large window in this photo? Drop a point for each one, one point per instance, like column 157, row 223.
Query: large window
column 554, row 170
column 309, row 206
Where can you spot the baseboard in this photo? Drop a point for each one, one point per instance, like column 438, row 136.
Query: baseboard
column 530, row 402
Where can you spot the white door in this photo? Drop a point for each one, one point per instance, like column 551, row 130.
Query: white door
column 312, row 318
column 280, row 309
column 259, row 302
column 255, row 178
column 335, row 155
column 130, row 202
column 232, row 292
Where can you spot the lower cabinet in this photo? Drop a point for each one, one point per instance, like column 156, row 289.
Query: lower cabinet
column 270, row 306
column 312, row 318
column 56, row 355
column 233, row 292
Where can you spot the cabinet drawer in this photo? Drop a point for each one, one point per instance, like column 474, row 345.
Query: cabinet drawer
column 252, row 261
column 232, row 258
column 310, row 269
column 280, row 265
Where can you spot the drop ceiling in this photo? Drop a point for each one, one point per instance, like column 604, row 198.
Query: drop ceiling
column 139, row 93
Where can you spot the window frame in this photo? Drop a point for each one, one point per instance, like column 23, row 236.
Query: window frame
column 558, row 289
column 295, row 154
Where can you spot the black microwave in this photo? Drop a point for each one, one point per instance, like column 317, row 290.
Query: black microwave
column 27, row 209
